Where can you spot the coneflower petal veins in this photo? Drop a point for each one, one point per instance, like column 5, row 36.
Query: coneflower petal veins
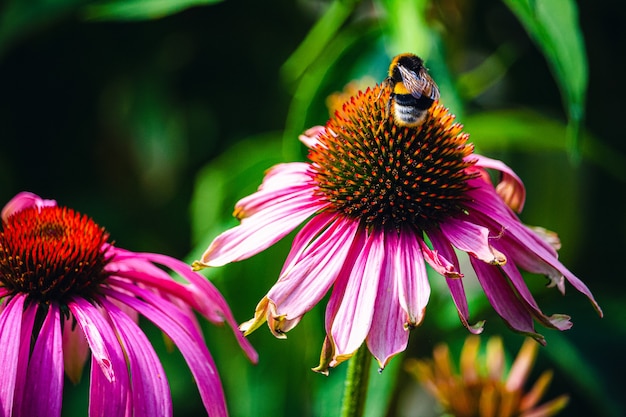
column 382, row 174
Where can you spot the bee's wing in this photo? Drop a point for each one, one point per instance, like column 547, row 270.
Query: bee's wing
column 419, row 85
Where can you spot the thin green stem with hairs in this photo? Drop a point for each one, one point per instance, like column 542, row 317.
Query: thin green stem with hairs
column 357, row 379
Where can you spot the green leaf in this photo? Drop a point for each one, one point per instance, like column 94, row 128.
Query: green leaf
column 19, row 18
column 221, row 183
column 139, row 9
column 554, row 26
column 581, row 372
column 310, row 87
column 407, row 28
column 527, row 130
column 514, row 129
column 317, row 40
column 489, row 72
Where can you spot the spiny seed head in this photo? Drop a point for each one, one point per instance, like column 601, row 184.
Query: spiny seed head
column 52, row 253
column 382, row 174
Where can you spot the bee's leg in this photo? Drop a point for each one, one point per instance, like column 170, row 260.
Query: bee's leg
column 387, row 82
column 387, row 113
column 388, row 106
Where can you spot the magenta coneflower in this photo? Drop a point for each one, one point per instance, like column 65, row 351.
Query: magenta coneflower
column 66, row 290
column 382, row 202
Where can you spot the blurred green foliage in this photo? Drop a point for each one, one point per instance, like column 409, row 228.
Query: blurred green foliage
column 553, row 24
column 155, row 117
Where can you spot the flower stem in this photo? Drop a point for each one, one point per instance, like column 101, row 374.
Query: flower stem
column 357, row 379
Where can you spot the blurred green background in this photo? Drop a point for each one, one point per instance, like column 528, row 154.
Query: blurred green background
column 155, row 117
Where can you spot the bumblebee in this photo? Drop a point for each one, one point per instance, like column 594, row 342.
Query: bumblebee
column 413, row 90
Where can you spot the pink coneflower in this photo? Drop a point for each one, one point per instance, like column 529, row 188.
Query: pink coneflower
column 66, row 290
column 382, row 201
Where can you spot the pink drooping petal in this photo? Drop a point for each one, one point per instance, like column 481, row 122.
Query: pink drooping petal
column 206, row 298
column 527, row 242
column 389, row 334
column 182, row 316
column 286, row 176
column 510, row 188
column 302, row 263
column 167, row 289
column 497, row 216
column 75, row 351
column 356, row 295
column 191, row 347
column 282, row 183
column 580, row 286
column 142, row 268
column 410, row 274
column 438, row 262
column 471, row 238
column 150, row 391
column 100, row 396
column 266, row 199
column 310, row 138
column 109, row 386
column 132, row 314
column 503, row 299
column 10, row 340
column 45, row 370
column 201, row 294
column 556, row 321
column 487, row 209
column 547, row 264
column 260, row 231
column 525, row 258
column 22, row 201
column 28, row 321
column 312, row 269
column 340, row 284
column 306, row 237
column 457, row 290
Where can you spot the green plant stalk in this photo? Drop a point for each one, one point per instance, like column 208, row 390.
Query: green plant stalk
column 355, row 392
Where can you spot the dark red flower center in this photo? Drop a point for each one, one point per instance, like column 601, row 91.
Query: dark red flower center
column 51, row 253
column 375, row 171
